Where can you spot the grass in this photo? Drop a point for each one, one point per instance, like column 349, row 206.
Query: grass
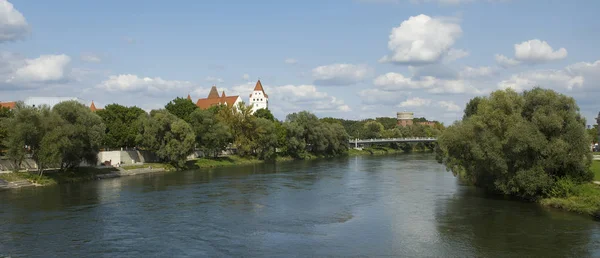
column 596, row 169
column 81, row 174
column 584, row 199
column 232, row 160
column 167, row 167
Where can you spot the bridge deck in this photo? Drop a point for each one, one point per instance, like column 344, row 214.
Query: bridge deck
column 413, row 139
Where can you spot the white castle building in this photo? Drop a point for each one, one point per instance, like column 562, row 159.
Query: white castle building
column 258, row 98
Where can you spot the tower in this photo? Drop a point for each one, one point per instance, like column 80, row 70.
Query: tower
column 258, row 98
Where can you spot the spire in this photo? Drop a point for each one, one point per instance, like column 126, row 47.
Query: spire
column 189, row 97
column 223, row 94
column 258, row 86
column 214, row 93
column 93, row 107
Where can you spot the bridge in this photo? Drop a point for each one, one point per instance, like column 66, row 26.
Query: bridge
column 356, row 142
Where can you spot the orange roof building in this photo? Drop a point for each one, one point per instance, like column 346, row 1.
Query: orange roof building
column 93, row 107
column 9, row 105
column 214, row 99
column 259, row 98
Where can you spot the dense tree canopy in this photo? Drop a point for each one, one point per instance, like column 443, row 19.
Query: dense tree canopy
column 518, row 144
column 212, row 135
column 121, row 128
column 182, row 108
column 171, row 138
column 264, row 113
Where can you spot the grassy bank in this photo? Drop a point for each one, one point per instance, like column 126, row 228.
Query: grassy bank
column 580, row 198
column 58, row 177
column 232, row 160
column 164, row 166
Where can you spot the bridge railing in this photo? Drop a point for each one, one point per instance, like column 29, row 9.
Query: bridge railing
column 394, row 139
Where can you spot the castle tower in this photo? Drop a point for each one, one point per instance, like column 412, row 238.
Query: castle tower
column 258, row 98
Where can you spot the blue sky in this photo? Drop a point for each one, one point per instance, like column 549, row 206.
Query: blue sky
column 344, row 58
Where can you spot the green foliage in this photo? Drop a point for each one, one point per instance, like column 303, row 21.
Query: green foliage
column 388, row 123
column 372, row 130
column 264, row 113
column 306, row 133
column 182, row 108
column 231, row 160
column 121, row 125
column 5, row 115
column 593, row 134
column 596, row 169
column 471, row 107
column 265, row 140
column 518, row 144
column 171, row 138
column 580, row 198
column 212, row 135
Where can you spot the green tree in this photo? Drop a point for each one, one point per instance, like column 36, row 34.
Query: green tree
column 241, row 124
column 182, row 108
column 593, row 134
column 75, row 135
column 5, row 115
column 471, row 107
column 387, row 122
column 25, row 131
column 212, row 135
column 171, row 138
column 121, row 128
column 265, row 140
column 264, row 113
column 372, row 130
column 519, row 144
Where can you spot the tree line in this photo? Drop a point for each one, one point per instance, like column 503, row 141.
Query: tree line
column 527, row 144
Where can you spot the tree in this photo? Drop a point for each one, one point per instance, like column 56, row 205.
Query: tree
column 75, row 135
column 182, row 108
column 5, row 115
column 121, row 128
column 519, row 144
column 171, row 138
column 212, row 135
column 241, row 124
column 265, row 139
column 471, row 107
column 25, row 131
column 388, row 122
column 372, row 130
column 593, row 134
column 264, row 113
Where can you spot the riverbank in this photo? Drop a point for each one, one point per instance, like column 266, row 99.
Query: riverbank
column 580, row 198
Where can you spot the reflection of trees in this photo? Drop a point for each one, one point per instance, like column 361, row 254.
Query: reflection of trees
column 487, row 226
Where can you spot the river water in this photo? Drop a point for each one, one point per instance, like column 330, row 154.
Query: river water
column 405, row 205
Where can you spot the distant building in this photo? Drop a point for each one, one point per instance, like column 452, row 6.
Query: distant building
column 258, row 98
column 214, row 99
column 47, row 101
column 427, row 123
column 405, row 118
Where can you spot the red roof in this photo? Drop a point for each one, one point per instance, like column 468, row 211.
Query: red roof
column 9, row 105
column 259, row 87
column 93, row 107
column 189, row 97
column 214, row 99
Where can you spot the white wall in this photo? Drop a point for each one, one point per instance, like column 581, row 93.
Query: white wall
column 258, row 100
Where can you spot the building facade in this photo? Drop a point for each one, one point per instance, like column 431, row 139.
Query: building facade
column 258, row 98
column 214, row 99
column 405, row 118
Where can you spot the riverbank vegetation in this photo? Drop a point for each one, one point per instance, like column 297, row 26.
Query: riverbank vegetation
column 52, row 177
column 531, row 145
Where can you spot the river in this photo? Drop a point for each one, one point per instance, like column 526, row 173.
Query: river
column 405, row 205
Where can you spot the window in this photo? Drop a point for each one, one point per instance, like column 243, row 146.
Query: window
column 260, row 99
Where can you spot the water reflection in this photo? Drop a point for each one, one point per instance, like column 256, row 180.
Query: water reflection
column 404, row 205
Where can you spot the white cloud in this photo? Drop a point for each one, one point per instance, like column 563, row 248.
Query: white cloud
column 398, row 82
column 246, row 76
column 449, row 106
column 43, row 69
column 214, row 79
column 455, row 54
column 537, row 51
column 340, row 74
column 506, row 62
column 379, row 97
column 13, row 25
column 533, row 51
column 290, row 61
column 476, row 72
column 147, row 85
column 90, row 58
column 555, row 79
column 415, row 102
column 421, row 40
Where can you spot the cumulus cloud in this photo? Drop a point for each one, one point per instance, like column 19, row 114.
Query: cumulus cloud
column 46, row 68
column 214, row 79
column 422, row 40
column 13, row 25
column 290, row 61
column 449, row 106
column 477, row 72
column 415, row 102
column 340, row 74
column 455, row 54
column 533, row 51
column 556, row 79
column 398, row 82
column 90, row 58
column 145, row 85
column 380, row 97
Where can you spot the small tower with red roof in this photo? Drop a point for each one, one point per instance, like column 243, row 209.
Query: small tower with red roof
column 258, row 98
